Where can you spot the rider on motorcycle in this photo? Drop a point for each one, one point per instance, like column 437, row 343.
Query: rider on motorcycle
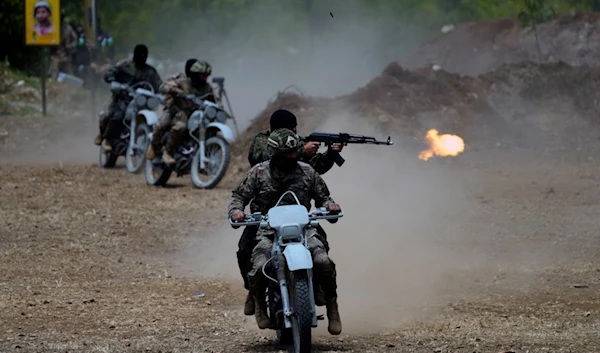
column 127, row 71
column 266, row 182
column 259, row 152
column 322, row 162
column 178, row 108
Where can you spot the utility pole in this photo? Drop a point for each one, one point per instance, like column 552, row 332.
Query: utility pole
column 94, row 39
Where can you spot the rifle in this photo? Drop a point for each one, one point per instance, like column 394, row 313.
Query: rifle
column 344, row 139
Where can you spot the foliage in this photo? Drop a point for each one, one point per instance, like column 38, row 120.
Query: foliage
column 535, row 12
column 203, row 25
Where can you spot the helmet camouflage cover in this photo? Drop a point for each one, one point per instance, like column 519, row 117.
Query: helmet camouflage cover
column 283, row 140
column 201, row 67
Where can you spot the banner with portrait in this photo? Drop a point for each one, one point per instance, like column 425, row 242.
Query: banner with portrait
column 42, row 22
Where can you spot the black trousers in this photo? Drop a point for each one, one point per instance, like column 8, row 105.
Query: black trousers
column 115, row 125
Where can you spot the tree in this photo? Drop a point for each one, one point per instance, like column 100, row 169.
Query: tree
column 534, row 13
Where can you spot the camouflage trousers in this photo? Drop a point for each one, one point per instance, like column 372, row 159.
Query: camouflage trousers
column 248, row 241
column 175, row 120
column 324, row 273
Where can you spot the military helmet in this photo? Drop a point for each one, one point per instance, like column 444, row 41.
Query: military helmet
column 201, row 67
column 283, row 140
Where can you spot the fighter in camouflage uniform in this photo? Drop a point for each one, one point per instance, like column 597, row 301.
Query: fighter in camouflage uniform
column 178, row 108
column 264, row 183
column 129, row 71
column 62, row 58
column 259, row 152
column 322, row 162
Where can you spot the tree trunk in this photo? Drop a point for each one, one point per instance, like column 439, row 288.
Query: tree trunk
column 537, row 41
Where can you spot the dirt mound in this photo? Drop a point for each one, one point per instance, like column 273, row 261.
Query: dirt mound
column 477, row 47
column 549, row 107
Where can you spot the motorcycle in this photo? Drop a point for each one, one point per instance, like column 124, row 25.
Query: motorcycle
column 139, row 116
column 291, row 299
column 198, row 155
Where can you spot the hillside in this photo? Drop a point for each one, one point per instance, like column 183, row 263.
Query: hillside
column 477, row 47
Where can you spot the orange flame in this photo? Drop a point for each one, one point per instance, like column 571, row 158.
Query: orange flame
column 441, row 145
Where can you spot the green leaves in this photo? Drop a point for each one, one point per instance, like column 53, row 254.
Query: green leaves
column 535, row 12
column 199, row 27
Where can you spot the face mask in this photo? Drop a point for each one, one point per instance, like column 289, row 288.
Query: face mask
column 284, row 164
column 139, row 59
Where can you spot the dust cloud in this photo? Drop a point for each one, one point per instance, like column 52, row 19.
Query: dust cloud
column 345, row 53
column 392, row 247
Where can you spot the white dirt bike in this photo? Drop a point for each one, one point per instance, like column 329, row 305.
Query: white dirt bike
column 134, row 138
column 290, row 293
column 206, row 152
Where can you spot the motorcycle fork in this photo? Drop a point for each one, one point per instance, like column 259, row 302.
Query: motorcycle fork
column 132, row 136
column 133, row 127
column 201, row 147
column 311, row 298
column 280, row 266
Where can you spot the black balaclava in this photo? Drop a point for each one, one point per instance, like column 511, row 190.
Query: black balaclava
column 283, row 119
column 140, row 55
column 283, row 163
column 197, row 80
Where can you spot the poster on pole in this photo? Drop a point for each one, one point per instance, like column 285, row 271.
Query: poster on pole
column 42, row 22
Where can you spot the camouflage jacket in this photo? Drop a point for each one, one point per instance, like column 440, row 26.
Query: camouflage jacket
column 261, row 185
column 126, row 72
column 69, row 39
column 259, row 152
column 178, row 85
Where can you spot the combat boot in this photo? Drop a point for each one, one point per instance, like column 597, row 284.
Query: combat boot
column 150, row 153
column 167, row 158
column 249, row 305
column 262, row 316
column 333, row 314
column 98, row 140
column 257, row 290
column 106, row 145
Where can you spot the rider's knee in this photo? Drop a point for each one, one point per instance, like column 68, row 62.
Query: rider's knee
column 178, row 126
column 321, row 260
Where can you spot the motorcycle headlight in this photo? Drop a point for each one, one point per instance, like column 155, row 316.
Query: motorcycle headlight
column 210, row 112
column 222, row 117
column 152, row 103
column 140, row 100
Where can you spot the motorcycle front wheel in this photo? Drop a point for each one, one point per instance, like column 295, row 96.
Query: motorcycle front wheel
column 218, row 153
column 134, row 158
column 107, row 159
column 302, row 318
column 156, row 175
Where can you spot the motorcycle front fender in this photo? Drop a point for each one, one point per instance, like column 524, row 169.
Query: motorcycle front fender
column 150, row 116
column 297, row 257
column 224, row 129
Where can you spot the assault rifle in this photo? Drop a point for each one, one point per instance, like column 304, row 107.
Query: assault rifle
column 344, row 139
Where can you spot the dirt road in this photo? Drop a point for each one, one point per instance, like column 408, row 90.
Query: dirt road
column 493, row 251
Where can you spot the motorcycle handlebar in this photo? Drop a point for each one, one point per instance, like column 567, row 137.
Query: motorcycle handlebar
column 256, row 219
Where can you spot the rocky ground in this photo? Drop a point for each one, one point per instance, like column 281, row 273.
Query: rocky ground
column 495, row 250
